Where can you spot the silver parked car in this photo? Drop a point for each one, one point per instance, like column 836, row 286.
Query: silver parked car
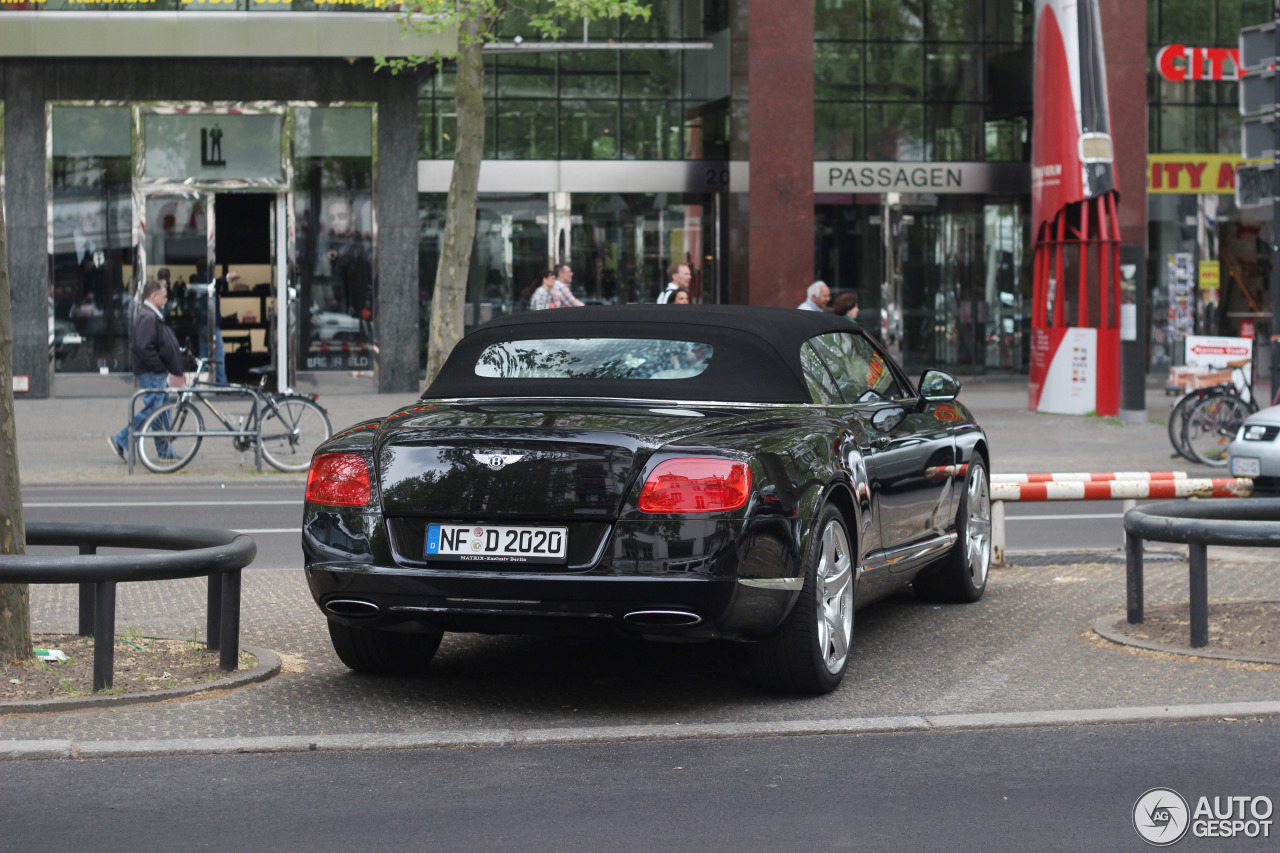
column 1255, row 452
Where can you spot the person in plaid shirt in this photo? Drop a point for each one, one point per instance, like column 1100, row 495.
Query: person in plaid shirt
column 561, row 295
column 554, row 292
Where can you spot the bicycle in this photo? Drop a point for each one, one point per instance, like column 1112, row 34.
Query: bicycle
column 284, row 427
column 1211, row 420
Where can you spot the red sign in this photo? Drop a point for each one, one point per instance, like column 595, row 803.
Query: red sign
column 1246, row 328
column 1179, row 63
column 1211, row 349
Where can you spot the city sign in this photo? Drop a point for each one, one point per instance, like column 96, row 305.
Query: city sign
column 1178, row 63
column 1192, row 174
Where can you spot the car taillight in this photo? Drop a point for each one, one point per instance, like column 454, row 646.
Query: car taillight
column 339, row 479
column 696, row 485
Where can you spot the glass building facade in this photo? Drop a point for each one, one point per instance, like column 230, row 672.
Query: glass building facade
column 622, row 148
column 946, row 81
column 1197, row 235
column 938, row 82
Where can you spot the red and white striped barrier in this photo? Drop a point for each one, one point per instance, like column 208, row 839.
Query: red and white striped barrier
column 1112, row 490
column 1128, row 486
column 1089, row 478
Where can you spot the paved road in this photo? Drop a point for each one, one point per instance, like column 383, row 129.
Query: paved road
column 1042, row 789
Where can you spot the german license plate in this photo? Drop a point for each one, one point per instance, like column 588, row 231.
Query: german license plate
column 1243, row 466
column 495, row 543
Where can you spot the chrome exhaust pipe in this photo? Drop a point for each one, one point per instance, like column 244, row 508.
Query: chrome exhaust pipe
column 663, row 618
column 352, row 608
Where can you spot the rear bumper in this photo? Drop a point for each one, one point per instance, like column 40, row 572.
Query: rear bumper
column 691, row 608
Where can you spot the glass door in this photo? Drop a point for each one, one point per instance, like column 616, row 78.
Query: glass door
column 177, row 246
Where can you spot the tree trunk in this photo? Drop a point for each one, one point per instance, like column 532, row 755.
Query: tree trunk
column 15, row 602
column 459, row 237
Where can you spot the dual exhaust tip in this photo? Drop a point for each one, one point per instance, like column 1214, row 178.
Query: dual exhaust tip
column 356, row 608
column 352, row 608
column 663, row 618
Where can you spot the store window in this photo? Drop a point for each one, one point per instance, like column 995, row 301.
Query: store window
column 333, row 213
column 623, row 243
column 90, row 181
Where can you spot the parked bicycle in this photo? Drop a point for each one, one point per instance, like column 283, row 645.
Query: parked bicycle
column 284, row 427
column 1205, row 420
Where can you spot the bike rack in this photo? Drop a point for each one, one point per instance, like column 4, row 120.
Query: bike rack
column 196, row 551
column 1232, row 521
column 174, row 393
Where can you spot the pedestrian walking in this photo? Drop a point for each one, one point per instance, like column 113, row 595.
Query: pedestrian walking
column 156, row 357
column 679, row 296
column 560, row 295
column 846, row 305
column 226, row 282
column 816, row 297
column 541, row 298
column 681, row 276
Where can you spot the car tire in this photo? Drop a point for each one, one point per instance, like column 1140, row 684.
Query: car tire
column 961, row 576
column 809, row 653
column 382, row 652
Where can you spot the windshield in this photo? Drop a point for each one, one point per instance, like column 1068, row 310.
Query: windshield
column 594, row 358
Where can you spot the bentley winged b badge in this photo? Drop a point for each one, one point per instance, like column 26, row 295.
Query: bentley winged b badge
column 497, row 461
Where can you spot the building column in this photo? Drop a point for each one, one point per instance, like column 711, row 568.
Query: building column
column 26, row 226
column 780, row 112
column 1124, row 24
column 399, row 339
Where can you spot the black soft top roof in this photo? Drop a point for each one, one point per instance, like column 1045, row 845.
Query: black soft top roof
column 757, row 352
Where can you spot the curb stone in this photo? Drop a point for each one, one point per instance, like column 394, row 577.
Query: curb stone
column 268, row 665
column 38, row 749
column 1106, row 628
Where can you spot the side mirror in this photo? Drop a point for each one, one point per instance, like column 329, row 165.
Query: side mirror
column 938, row 386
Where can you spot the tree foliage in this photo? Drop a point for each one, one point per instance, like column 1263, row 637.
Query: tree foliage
column 15, row 608
column 476, row 22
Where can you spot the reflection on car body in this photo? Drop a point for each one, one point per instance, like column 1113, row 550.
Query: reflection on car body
column 785, row 473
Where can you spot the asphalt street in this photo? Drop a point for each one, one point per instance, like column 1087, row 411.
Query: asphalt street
column 1014, row 790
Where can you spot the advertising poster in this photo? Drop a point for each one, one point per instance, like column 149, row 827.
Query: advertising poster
column 1064, row 369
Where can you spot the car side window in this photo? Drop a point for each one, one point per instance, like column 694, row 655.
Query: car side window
column 822, row 388
column 862, row 374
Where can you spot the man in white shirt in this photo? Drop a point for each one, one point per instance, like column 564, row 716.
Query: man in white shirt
column 681, row 276
column 818, row 295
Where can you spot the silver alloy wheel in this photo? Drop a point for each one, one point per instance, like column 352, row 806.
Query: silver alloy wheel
column 977, row 528
column 834, row 583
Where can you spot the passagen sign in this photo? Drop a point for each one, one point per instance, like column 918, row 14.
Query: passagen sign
column 899, row 177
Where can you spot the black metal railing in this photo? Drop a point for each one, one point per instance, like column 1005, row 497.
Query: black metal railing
column 187, row 552
column 1242, row 522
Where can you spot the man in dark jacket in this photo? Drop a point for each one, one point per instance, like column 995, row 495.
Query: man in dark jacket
column 156, row 357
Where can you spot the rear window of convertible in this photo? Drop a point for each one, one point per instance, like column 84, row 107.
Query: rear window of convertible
column 594, row 358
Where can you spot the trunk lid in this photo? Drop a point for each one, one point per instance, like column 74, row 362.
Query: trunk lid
column 529, row 459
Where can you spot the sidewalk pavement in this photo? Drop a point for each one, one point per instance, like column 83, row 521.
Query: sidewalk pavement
column 1024, row 655
column 62, row 440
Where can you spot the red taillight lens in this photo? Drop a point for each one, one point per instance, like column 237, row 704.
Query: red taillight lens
column 339, row 479
column 696, row 485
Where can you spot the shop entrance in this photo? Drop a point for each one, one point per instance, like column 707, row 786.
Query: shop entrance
column 221, row 253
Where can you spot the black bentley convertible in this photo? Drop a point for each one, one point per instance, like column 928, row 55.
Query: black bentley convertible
column 691, row 473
